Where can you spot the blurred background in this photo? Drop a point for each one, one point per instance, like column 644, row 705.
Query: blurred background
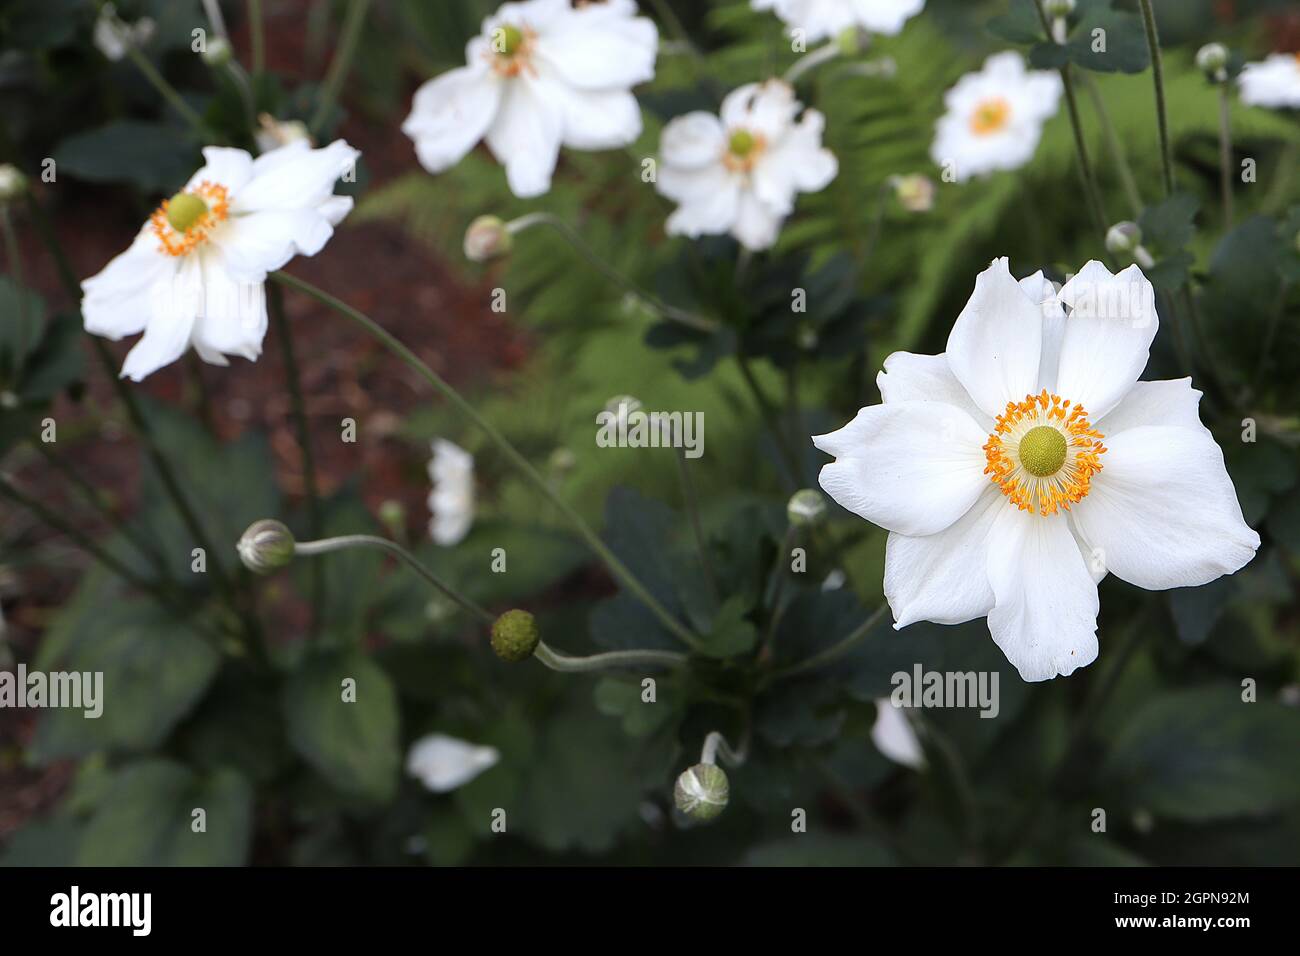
column 229, row 706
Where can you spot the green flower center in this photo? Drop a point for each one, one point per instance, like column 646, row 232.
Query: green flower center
column 1042, row 451
column 509, row 40
column 184, row 210
column 742, row 143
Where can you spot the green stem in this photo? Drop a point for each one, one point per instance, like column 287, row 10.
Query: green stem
column 343, row 542
column 168, row 92
column 201, row 389
column 15, row 260
column 257, row 34
column 389, row 341
column 1225, row 153
column 681, row 316
column 716, row 746
column 693, row 510
column 315, row 521
column 1117, row 151
column 1158, row 78
column 771, row 420
column 610, row 660
column 342, row 62
column 812, row 60
column 837, row 650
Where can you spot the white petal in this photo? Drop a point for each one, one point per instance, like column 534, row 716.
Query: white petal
column 910, row 467
column 709, row 200
column 261, row 242
column 115, row 302
column 795, row 163
column 451, row 113
column 1045, row 613
column 1107, row 336
column 894, row 737
column 525, row 138
column 757, row 224
column 1170, row 402
column 767, row 108
column 300, row 179
column 943, row 577
column 886, row 17
column 1274, row 82
column 926, row 378
column 692, row 141
column 443, row 763
column 1041, row 291
column 1163, row 512
column 596, row 119
column 995, row 345
column 175, row 302
column 233, row 320
column 602, row 47
column 232, row 168
column 451, row 501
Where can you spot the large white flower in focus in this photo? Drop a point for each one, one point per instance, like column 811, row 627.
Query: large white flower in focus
column 194, row 275
column 819, row 19
column 1017, row 468
column 994, row 117
column 1275, row 82
column 541, row 75
column 740, row 173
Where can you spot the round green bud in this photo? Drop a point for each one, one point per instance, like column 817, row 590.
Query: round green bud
column 702, row 792
column 515, row 636
column 852, row 41
column 1212, row 60
column 217, row 52
column 1058, row 8
column 266, row 546
column 806, row 507
column 12, row 182
column 1123, row 237
column 487, row 238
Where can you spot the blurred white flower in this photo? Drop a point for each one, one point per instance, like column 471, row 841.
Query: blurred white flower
column 914, row 192
column 894, row 737
column 194, row 274
column 451, row 502
column 114, row 37
column 541, row 75
column 740, row 173
column 273, row 133
column 1274, row 82
column 444, row 763
column 819, row 19
column 995, row 117
column 987, row 467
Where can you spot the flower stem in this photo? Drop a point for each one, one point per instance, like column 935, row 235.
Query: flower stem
column 13, row 257
column 512, row 454
column 168, row 92
column 257, row 34
column 693, row 510
column 610, row 660
column 342, row 62
column 1117, row 151
column 770, row 418
column 697, row 322
column 715, row 746
column 1158, row 78
column 343, row 542
column 836, row 650
column 311, row 491
column 810, row 61
column 1225, row 153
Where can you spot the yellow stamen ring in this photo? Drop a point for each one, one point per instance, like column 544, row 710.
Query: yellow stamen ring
column 510, row 50
column 1043, row 453
column 743, row 150
column 184, row 221
column 990, row 116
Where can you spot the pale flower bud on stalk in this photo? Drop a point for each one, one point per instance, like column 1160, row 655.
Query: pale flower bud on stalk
column 515, row 636
column 914, row 192
column 806, row 507
column 217, row 52
column 702, row 792
column 266, row 546
column 12, row 183
column 1125, row 238
column 1212, row 60
column 487, row 237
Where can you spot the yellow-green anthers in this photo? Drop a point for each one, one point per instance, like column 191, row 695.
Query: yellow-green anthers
column 702, row 792
column 266, row 546
column 515, row 636
column 806, row 507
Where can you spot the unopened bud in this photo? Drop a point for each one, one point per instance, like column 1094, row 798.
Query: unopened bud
column 1058, row 8
column 1123, row 237
column 266, row 546
column 702, row 792
column 515, row 636
column 914, row 192
column 487, row 238
column 852, row 41
column 1212, row 60
column 217, row 51
column 12, row 182
column 806, row 507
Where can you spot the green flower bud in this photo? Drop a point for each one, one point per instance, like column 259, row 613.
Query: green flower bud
column 852, row 41
column 806, row 507
column 1058, row 8
column 266, row 546
column 12, row 182
column 487, row 238
column 217, row 52
column 1123, row 237
column 515, row 636
column 1212, row 60
column 702, row 792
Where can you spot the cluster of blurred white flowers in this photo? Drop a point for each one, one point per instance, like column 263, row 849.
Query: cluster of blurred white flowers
column 451, row 502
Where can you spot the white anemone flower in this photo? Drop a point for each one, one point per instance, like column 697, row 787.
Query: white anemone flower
column 1017, row 468
column 541, row 75
column 994, row 117
column 740, row 173
column 195, row 274
column 444, row 763
column 114, row 36
column 893, row 735
column 819, row 19
column 1275, row 82
column 451, row 502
